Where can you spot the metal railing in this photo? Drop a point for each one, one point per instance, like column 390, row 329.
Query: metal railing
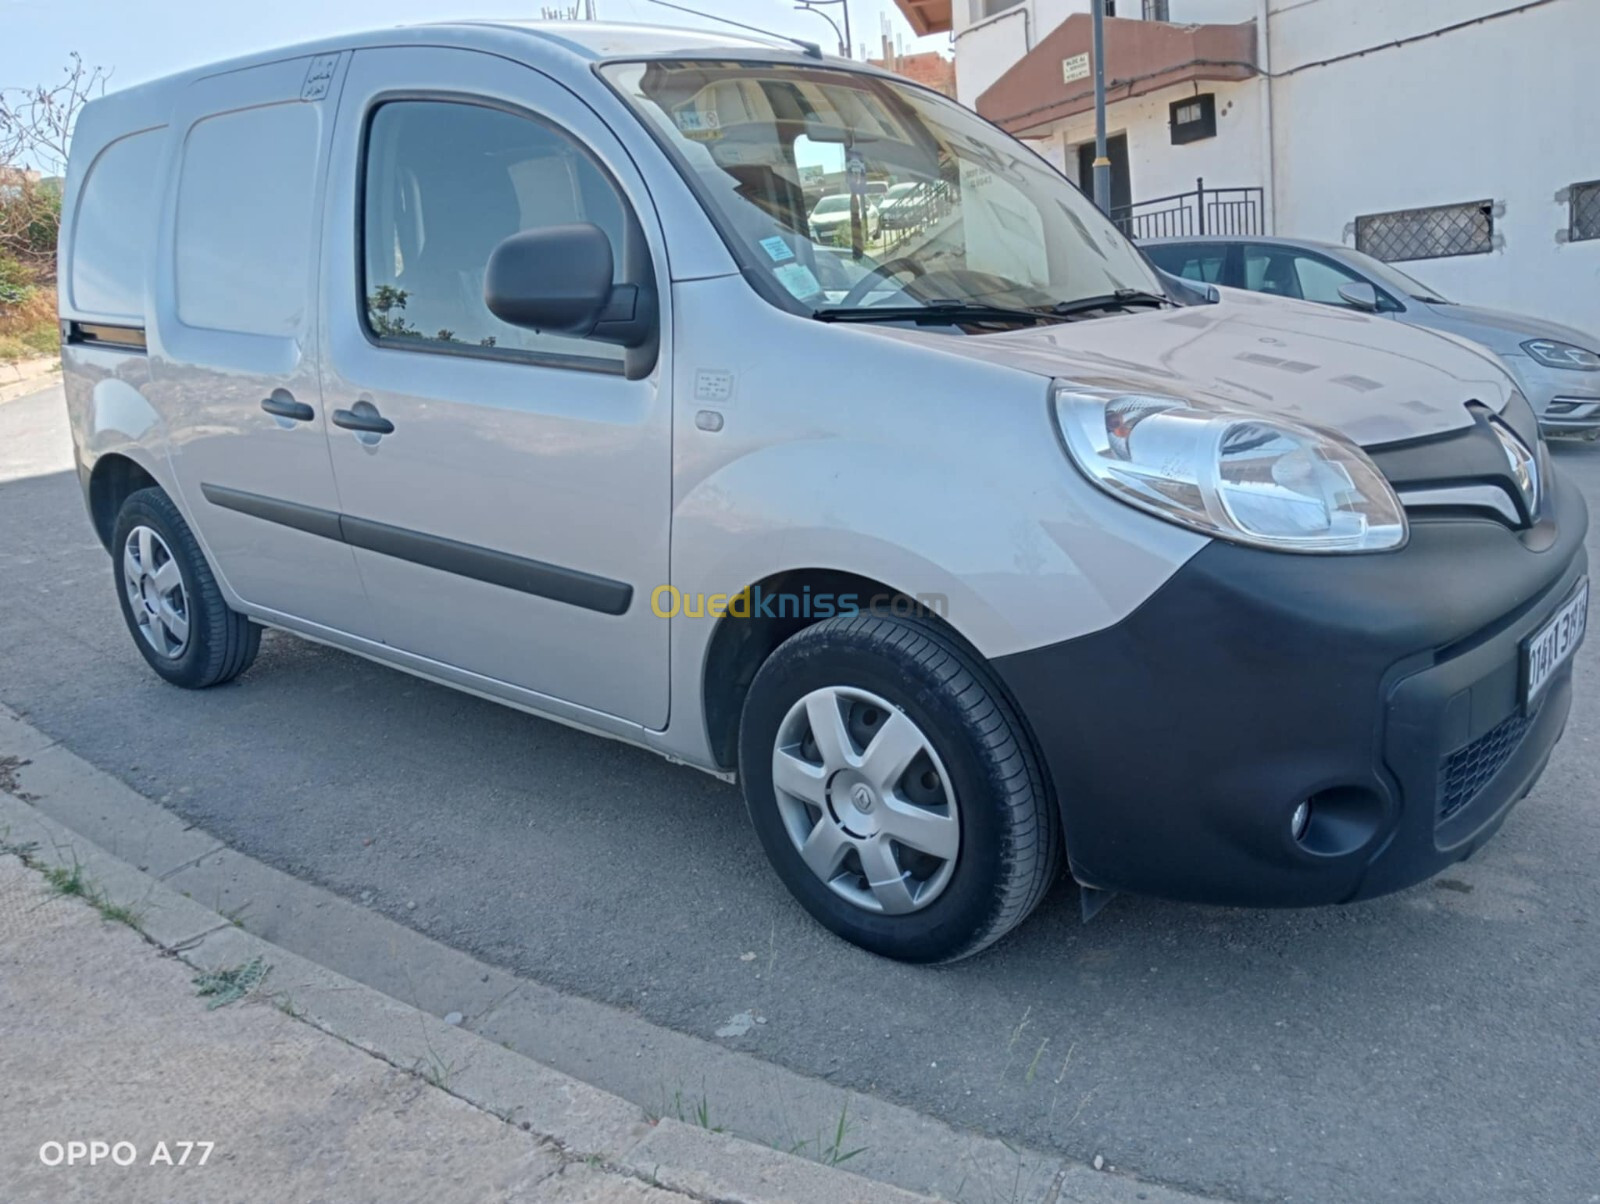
column 1186, row 214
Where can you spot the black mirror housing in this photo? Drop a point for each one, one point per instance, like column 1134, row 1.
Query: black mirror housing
column 558, row 279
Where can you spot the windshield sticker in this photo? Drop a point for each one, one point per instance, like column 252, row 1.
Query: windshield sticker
column 797, row 278
column 703, row 127
column 777, row 250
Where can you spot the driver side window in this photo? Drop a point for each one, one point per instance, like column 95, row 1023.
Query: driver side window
column 445, row 182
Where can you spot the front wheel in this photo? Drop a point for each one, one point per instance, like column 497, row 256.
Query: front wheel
column 170, row 598
column 894, row 789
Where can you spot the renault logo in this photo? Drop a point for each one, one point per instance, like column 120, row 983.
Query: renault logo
column 1524, row 465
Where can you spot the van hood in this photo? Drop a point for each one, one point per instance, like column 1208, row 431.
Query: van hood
column 1373, row 380
column 1496, row 329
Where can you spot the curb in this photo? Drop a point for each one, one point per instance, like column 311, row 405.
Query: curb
column 516, row 1036
column 583, row 1121
column 21, row 377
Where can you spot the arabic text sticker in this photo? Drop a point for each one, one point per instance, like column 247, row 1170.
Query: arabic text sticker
column 797, row 278
column 319, row 75
column 777, row 250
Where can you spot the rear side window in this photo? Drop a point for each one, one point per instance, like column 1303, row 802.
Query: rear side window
column 112, row 231
column 245, row 220
column 445, row 182
column 1192, row 263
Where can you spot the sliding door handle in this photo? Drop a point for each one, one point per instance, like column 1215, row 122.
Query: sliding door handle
column 283, row 405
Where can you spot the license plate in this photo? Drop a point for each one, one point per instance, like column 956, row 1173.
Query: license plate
column 1548, row 649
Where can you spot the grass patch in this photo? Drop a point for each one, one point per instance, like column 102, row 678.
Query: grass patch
column 689, row 1111
column 225, row 986
column 65, row 881
column 30, row 328
column 830, row 1149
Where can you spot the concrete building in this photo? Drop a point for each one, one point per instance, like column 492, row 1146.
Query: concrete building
column 1454, row 136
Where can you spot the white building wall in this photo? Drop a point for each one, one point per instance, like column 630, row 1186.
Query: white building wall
column 989, row 47
column 1156, row 168
column 1501, row 110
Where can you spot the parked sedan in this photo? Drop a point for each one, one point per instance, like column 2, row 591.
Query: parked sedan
column 1557, row 367
column 833, row 213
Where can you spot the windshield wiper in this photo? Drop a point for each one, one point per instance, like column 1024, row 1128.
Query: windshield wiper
column 1123, row 298
column 939, row 311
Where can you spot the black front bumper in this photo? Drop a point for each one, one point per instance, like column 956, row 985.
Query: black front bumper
column 1385, row 688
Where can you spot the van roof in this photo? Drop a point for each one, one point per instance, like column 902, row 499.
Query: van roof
column 599, row 40
column 552, row 43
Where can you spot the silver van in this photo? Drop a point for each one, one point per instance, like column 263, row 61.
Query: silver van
column 502, row 354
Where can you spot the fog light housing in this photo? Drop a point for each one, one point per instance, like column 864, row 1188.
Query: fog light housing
column 1300, row 820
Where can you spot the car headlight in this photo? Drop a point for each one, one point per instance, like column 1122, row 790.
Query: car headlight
column 1555, row 354
column 1232, row 474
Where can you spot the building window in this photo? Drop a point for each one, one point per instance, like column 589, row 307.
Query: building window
column 1157, row 10
column 1194, row 118
column 982, row 10
column 1436, row 233
column 1585, row 211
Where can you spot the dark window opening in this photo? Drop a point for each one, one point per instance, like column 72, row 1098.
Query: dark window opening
column 1194, row 118
column 1157, row 10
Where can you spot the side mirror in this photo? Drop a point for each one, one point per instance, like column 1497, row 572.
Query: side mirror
column 558, row 279
column 1360, row 295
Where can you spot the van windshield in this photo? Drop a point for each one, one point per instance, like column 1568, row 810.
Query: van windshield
column 983, row 221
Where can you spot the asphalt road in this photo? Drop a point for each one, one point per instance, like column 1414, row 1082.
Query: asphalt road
column 1438, row 1045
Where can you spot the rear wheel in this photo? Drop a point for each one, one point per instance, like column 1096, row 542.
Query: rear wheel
column 170, row 598
column 894, row 790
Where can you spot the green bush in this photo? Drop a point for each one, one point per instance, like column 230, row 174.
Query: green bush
column 16, row 282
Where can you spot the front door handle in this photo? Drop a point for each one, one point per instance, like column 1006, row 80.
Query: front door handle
column 283, row 405
column 363, row 418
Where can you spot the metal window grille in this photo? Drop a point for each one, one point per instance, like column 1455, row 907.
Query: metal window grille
column 1436, row 233
column 1157, row 10
column 1586, row 211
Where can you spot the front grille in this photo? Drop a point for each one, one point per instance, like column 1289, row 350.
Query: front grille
column 1467, row 771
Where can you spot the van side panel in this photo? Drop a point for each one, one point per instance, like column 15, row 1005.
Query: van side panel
column 232, row 308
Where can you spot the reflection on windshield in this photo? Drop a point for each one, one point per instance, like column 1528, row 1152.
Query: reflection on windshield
column 846, row 190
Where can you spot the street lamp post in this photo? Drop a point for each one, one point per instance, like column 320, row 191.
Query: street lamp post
column 1102, row 161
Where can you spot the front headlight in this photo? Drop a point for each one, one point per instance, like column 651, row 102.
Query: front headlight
column 1251, row 479
column 1555, row 354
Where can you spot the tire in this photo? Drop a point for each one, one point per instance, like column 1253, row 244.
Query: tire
column 180, row 623
column 975, row 776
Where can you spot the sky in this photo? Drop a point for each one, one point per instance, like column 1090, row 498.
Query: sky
column 138, row 40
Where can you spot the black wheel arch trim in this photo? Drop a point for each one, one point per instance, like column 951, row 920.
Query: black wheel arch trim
column 556, row 582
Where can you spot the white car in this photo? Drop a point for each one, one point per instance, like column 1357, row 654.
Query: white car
column 830, row 220
column 500, row 355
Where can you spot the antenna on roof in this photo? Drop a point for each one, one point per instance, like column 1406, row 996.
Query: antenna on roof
column 810, row 48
